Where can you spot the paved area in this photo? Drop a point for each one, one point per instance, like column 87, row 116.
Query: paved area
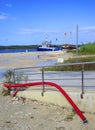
column 67, row 79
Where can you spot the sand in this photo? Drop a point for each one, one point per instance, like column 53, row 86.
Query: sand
column 29, row 59
column 24, row 114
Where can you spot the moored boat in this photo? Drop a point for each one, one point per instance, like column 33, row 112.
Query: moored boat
column 46, row 46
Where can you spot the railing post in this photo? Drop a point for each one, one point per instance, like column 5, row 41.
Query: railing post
column 43, row 81
column 82, row 80
column 14, row 75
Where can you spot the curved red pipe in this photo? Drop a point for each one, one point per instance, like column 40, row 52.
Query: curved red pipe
column 9, row 86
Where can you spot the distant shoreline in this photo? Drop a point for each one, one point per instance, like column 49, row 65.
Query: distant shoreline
column 16, row 50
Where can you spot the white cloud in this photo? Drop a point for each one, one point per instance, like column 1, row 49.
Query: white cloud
column 27, row 31
column 3, row 17
column 8, row 5
column 88, row 29
column 31, row 31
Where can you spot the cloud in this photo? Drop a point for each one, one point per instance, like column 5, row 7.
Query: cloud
column 31, row 31
column 26, row 31
column 87, row 30
column 3, row 16
column 8, row 5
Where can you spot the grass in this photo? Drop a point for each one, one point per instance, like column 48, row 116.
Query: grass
column 86, row 53
column 74, row 67
column 86, row 49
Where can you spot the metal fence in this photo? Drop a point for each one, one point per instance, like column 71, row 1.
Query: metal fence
column 82, row 79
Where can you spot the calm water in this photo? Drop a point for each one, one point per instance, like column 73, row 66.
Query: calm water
column 2, row 71
column 46, row 63
column 17, row 50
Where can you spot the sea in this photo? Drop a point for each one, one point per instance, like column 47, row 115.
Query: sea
column 17, row 50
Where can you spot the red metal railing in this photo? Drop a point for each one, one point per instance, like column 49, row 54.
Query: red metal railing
column 9, row 86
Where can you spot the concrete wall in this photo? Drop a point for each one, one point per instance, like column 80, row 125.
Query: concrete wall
column 87, row 104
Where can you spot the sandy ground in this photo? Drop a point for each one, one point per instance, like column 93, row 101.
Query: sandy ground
column 24, row 114
column 29, row 59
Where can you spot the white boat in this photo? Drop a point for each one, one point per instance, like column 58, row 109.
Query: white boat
column 46, row 46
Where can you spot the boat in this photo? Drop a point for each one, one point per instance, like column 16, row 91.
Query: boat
column 46, row 46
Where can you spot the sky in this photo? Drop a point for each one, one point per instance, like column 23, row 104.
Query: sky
column 29, row 22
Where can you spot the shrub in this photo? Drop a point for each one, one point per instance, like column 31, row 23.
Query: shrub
column 8, row 75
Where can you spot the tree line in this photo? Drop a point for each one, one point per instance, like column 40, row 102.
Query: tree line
column 20, row 47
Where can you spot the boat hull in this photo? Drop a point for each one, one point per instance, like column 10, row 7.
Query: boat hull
column 48, row 49
column 45, row 49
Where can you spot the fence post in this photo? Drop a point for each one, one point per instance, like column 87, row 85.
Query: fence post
column 43, row 81
column 82, row 80
column 14, row 76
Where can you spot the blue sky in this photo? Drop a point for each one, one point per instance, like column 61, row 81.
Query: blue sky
column 27, row 22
